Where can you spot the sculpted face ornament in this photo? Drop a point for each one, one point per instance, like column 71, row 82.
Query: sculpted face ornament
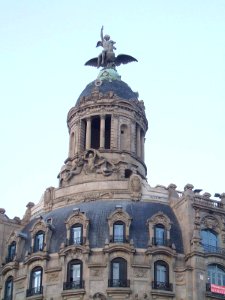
column 107, row 58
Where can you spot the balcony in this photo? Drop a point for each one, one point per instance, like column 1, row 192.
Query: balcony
column 210, row 203
column 9, row 259
column 71, row 285
column 161, row 242
column 165, row 286
column 122, row 283
column 213, row 249
column 118, row 239
column 38, row 290
column 76, row 241
column 213, row 294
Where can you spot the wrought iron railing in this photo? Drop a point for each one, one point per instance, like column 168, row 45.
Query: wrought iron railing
column 118, row 239
column 161, row 242
column 9, row 259
column 158, row 285
column 213, row 249
column 119, row 283
column 70, row 285
column 76, row 241
column 38, row 290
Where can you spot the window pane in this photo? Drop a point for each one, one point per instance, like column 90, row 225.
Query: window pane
column 76, row 235
column 160, row 235
column 75, row 272
column 118, row 232
column 216, row 275
column 161, row 273
column 8, row 288
column 116, row 271
column 36, row 279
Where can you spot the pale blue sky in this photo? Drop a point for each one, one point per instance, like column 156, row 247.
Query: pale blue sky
column 180, row 76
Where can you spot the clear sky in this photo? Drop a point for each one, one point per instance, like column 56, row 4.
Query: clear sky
column 180, row 46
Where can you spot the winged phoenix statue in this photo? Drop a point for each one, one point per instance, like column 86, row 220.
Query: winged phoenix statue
column 107, row 58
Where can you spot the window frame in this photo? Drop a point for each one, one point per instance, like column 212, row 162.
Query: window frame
column 11, row 254
column 36, row 247
column 121, row 281
column 71, row 240
column 161, row 284
column 159, row 241
column 35, row 289
column 8, row 281
column 70, row 283
column 121, row 238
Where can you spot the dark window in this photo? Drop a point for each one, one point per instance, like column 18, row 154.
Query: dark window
column 8, row 295
column 216, row 275
column 209, row 240
column 74, row 275
column 118, row 273
column 161, row 276
column 107, row 131
column 76, row 234
column 11, row 252
column 39, row 241
column 95, row 132
column 119, row 232
column 159, row 234
column 35, row 282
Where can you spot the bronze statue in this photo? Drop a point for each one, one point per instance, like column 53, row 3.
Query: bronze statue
column 107, row 58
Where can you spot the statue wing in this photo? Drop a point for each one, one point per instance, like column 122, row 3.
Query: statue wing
column 124, row 59
column 99, row 43
column 92, row 62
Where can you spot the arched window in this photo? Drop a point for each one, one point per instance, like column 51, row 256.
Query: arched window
column 74, row 275
column 76, row 234
column 209, row 240
column 11, row 252
column 159, row 235
column 35, row 287
column 39, row 241
column 119, row 232
column 8, row 295
column 119, row 273
column 161, row 276
column 216, row 275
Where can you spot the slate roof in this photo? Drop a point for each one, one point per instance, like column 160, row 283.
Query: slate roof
column 98, row 212
column 119, row 87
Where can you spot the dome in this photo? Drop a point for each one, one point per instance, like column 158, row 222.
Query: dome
column 107, row 81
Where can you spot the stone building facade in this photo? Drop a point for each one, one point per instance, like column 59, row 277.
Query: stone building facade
column 104, row 233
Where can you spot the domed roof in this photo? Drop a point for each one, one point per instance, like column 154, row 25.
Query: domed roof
column 98, row 213
column 108, row 80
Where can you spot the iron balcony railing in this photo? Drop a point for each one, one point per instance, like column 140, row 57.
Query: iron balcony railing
column 119, row 283
column 213, row 249
column 76, row 241
column 9, row 259
column 161, row 242
column 38, row 290
column 158, row 285
column 118, row 239
column 71, row 285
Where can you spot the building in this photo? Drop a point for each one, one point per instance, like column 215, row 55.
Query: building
column 104, row 233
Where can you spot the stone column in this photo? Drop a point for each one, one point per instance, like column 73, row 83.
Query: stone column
column 142, row 146
column 138, row 141
column 88, row 133
column 102, row 132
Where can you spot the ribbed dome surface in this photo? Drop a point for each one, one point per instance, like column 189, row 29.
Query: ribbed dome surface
column 119, row 87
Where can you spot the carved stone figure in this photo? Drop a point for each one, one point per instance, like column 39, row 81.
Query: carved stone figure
column 107, row 58
column 48, row 197
column 97, row 163
column 135, row 187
